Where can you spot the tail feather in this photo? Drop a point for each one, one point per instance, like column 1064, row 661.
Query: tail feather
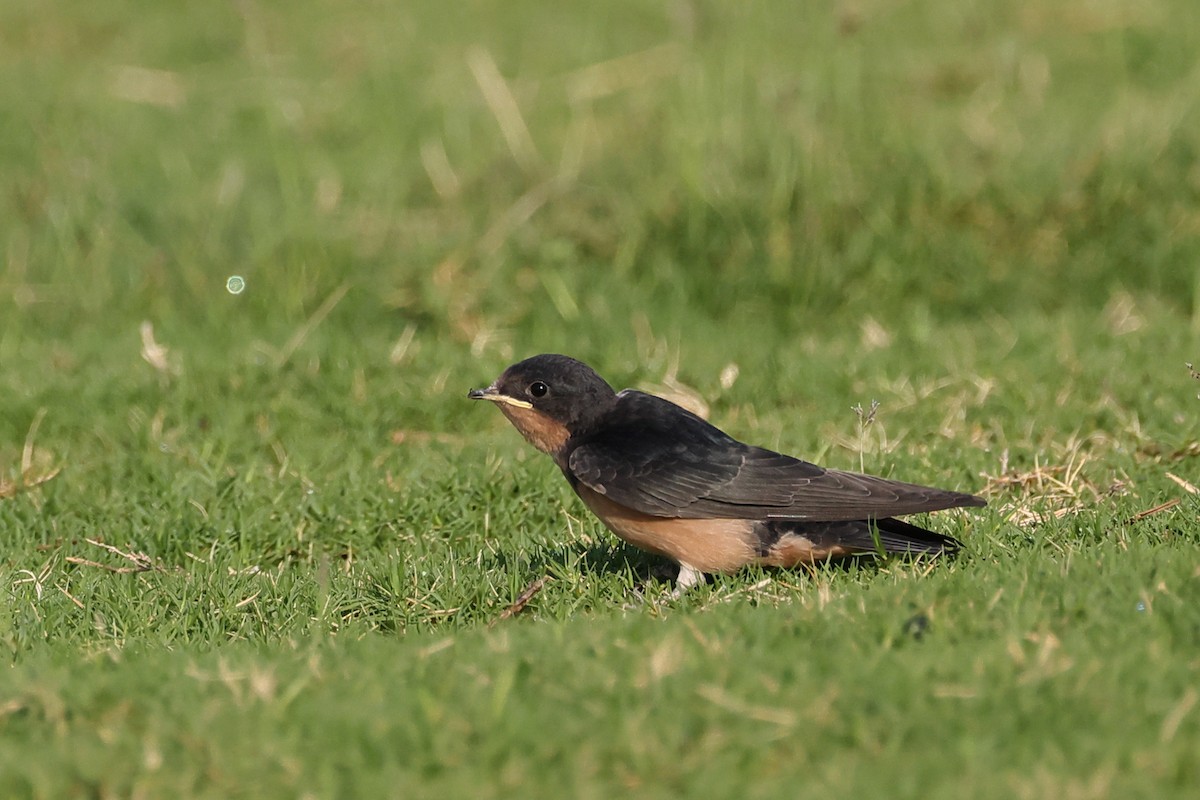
column 898, row 536
column 862, row 536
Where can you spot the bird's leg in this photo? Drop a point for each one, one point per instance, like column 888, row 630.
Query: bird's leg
column 689, row 576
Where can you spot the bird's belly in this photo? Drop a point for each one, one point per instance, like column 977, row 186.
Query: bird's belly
column 709, row 545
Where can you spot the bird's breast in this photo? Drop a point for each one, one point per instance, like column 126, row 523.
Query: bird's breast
column 709, row 545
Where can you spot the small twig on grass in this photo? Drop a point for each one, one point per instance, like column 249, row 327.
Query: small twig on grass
column 141, row 562
column 83, row 562
column 1149, row 512
column 522, row 600
column 72, row 598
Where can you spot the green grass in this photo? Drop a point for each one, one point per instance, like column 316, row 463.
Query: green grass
column 985, row 216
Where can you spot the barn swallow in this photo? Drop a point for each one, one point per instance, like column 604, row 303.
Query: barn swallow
column 666, row 481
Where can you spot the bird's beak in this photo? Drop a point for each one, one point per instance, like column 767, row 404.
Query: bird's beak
column 493, row 394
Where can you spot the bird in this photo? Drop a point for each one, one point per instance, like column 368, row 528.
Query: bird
column 668, row 482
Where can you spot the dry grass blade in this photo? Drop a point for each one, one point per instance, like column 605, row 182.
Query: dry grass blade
column 625, row 72
column 28, row 480
column 400, row 349
column 293, row 344
column 154, row 353
column 734, row 705
column 1060, row 489
column 147, row 86
column 755, row 589
column 503, row 104
column 437, row 166
column 12, row 489
column 517, row 215
column 1174, row 718
column 27, row 450
column 1185, row 485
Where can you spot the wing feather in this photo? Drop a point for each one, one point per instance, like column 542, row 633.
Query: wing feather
column 657, row 458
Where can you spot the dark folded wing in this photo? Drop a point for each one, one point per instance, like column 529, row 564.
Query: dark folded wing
column 653, row 456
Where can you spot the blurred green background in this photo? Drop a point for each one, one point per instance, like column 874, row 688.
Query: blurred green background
column 518, row 168
column 470, row 184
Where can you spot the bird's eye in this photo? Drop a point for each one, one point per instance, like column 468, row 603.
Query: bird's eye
column 538, row 389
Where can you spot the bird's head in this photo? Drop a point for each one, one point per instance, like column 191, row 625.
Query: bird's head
column 548, row 398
